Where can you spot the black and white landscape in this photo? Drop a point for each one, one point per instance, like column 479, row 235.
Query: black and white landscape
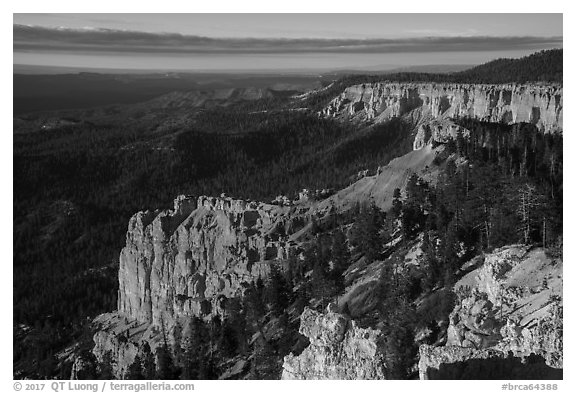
column 229, row 197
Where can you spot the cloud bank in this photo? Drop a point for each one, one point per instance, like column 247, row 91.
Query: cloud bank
column 59, row 40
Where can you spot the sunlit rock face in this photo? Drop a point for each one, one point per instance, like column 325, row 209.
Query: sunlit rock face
column 186, row 262
column 509, row 103
column 338, row 349
column 508, row 310
column 180, row 262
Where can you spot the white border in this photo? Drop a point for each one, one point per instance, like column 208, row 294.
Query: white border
column 308, row 6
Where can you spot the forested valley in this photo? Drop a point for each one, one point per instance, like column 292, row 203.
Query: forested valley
column 78, row 186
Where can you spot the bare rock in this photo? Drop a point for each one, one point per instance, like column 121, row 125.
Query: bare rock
column 503, row 316
column 507, row 103
column 176, row 261
column 338, row 349
column 453, row 362
column 182, row 263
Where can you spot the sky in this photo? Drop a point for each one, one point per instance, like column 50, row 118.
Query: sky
column 277, row 42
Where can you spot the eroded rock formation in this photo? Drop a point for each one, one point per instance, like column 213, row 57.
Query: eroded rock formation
column 539, row 105
column 185, row 262
column 509, row 309
column 178, row 262
column 338, row 349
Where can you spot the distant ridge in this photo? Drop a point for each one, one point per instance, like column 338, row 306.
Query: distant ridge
column 544, row 66
column 540, row 67
column 426, row 68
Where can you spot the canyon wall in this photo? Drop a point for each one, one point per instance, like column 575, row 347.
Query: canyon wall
column 178, row 262
column 185, row 262
column 539, row 105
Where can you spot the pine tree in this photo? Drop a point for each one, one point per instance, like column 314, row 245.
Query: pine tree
column 135, row 370
column 323, row 288
column 396, row 203
column 484, row 196
column 195, row 348
column 310, row 256
column 401, row 350
column 148, row 363
column 453, row 191
column 227, row 343
column 166, row 370
column 277, row 292
column 386, row 288
column 413, row 193
column 450, row 250
column 397, row 316
column 236, row 319
column 414, row 206
column 370, row 225
column 346, row 310
column 340, row 258
column 461, row 145
column 105, row 367
column 430, row 263
column 529, row 204
column 303, row 296
column 324, row 250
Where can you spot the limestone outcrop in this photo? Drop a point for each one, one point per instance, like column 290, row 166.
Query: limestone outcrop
column 178, row 262
column 510, row 103
column 185, row 262
column 508, row 310
column 437, row 130
column 338, row 349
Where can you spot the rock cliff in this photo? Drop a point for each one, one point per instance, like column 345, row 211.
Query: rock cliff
column 508, row 310
column 338, row 349
column 184, row 262
column 539, row 105
column 178, row 262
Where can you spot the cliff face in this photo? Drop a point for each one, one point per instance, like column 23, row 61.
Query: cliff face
column 338, row 350
column 539, row 105
column 508, row 310
column 178, row 263
column 184, row 262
